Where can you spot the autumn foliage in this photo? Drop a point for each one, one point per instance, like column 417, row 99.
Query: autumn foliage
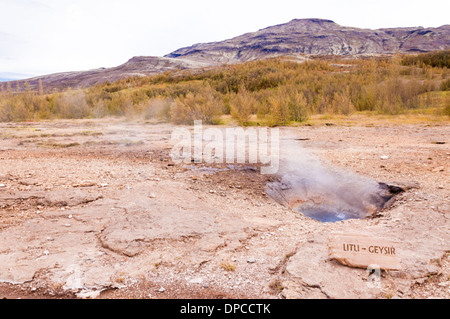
column 267, row 92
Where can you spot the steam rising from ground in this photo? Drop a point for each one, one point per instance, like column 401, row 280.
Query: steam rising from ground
column 322, row 192
column 319, row 191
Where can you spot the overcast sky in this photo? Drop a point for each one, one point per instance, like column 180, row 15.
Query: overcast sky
column 46, row 36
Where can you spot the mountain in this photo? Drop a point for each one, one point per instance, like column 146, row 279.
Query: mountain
column 317, row 37
column 137, row 66
column 297, row 38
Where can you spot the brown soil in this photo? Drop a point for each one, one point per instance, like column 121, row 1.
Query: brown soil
column 97, row 208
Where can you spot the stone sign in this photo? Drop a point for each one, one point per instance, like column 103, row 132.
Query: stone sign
column 362, row 251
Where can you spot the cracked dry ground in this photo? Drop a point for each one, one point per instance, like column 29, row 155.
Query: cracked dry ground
column 96, row 208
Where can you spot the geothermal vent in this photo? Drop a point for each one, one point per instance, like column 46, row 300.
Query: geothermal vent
column 324, row 193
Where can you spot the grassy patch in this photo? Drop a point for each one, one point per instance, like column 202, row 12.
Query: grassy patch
column 228, row 266
column 58, row 145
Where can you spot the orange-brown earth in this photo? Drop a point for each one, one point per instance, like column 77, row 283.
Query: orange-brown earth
column 97, row 209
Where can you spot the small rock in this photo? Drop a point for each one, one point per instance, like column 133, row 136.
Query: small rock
column 27, row 183
column 251, row 260
column 212, row 191
column 70, row 216
column 161, row 290
column 196, row 281
column 86, row 294
column 444, row 284
column 2, row 185
column 67, row 225
column 103, row 184
column 438, row 169
column 84, row 184
column 152, row 195
column 384, row 157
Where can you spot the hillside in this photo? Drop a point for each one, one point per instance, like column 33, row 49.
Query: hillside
column 298, row 38
column 137, row 66
column 318, row 37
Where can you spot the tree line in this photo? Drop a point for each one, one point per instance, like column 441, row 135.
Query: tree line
column 270, row 92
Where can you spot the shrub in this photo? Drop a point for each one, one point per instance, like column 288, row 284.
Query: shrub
column 437, row 59
column 297, row 104
column 447, row 110
column 203, row 105
column 158, row 108
column 285, row 105
column 342, row 104
column 13, row 110
column 445, row 85
column 279, row 110
column 119, row 104
column 242, row 106
column 72, row 105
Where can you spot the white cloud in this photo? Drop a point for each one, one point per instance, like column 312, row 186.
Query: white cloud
column 42, row 36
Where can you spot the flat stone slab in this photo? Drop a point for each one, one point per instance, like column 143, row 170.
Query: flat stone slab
column 362, row 251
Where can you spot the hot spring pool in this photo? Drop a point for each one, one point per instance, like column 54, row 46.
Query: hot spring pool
column 329, row 215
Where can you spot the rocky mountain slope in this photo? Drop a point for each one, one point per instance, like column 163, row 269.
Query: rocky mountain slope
column 137, row 66
column 297, row 38
column 318, row 37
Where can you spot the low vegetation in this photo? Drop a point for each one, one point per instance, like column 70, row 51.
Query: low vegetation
column 268, row 92
column 439, row 59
